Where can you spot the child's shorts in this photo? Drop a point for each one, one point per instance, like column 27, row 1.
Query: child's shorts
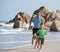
column 41, row 40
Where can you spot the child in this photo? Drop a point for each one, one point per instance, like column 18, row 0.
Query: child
column 41, row 35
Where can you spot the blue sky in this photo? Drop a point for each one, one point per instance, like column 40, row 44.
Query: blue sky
column 9, row 8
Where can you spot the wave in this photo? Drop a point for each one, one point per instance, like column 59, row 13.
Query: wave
column 11, row 24
column 11, row 31
column 7, row 25
column 8, row 28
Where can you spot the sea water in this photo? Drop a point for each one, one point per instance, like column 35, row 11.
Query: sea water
column 12, row 38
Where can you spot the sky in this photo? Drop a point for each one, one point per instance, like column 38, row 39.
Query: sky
column 9, row 8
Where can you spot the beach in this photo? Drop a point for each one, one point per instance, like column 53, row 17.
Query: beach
column 19, row 40
column 19, row 19
column 49, row 46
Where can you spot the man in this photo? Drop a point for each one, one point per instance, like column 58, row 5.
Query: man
column 37, row 20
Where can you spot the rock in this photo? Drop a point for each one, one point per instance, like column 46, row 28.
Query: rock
column 58, row 11
column 23, row 16
column 55, row 26
column 42, row 9
column 20, row 20
column 50, row 17
column 48, row 24
column 19, row 24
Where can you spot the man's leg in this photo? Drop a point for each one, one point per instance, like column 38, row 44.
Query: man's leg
column 36, row 42
column 33, row 38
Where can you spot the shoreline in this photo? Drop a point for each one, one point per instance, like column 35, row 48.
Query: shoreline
column 13, row 42
column 49, row 46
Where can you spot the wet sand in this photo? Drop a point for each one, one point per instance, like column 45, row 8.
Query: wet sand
column 49, row 46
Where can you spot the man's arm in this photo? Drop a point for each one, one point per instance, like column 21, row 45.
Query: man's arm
column 31, row 20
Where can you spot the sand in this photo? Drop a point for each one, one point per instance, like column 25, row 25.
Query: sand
column 49, row 46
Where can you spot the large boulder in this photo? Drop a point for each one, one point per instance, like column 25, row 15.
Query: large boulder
column 55, row 26
column 19, row 24
column 20, row 20
column 23, row 16
column 42, row 9
column 52, row 20
column 48, row 24
column 49, row 17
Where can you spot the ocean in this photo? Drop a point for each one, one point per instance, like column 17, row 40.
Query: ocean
column 12, row 38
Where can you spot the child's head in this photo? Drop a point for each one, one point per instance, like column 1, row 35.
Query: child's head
column 41, row 25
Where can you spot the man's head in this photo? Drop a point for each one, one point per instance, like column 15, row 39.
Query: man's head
column 39, row 14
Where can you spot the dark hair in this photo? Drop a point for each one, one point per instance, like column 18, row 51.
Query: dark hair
column 36, row 11
column 41, row 24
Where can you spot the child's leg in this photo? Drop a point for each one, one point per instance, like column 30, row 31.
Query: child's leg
column 38, row 43
column 42, row 42
column 41, row 46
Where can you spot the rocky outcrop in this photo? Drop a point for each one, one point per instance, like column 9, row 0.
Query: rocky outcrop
column 19, row 24
column 42, row 9
column 50, row 21
column 20, row 20
column 23, row 16
column 55, row 26
column 50, row 18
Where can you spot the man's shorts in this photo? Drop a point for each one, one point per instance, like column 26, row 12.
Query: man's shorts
column 35, row 30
